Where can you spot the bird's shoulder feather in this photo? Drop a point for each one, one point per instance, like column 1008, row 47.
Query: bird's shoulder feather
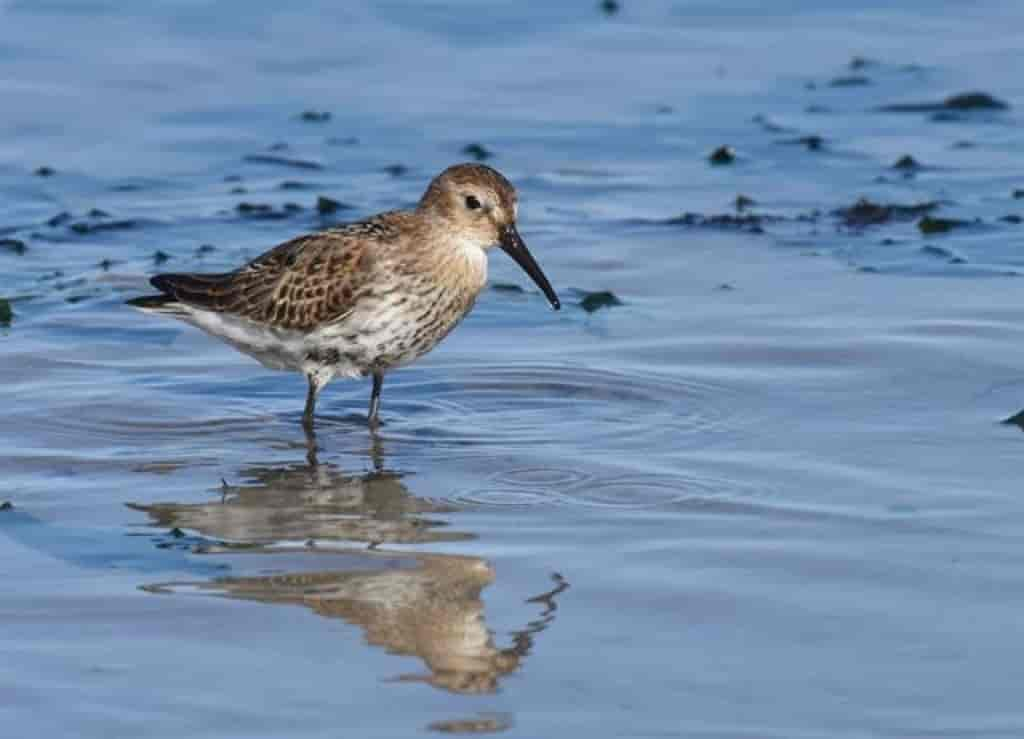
column 302, row 284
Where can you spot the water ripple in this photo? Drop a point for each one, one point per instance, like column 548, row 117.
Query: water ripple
column 475, row 410
column 632, row 490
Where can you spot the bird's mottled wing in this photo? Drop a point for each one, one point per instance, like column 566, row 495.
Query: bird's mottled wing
column 299, row 285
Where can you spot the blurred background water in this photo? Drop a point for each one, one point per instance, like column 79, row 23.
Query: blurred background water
column 751, row 482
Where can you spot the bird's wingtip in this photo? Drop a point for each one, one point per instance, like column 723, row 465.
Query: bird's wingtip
column 163, row 283
column 164, row 303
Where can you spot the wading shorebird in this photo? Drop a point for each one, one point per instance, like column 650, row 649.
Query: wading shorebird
column 363, row 298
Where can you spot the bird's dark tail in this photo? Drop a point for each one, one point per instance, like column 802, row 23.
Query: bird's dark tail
column 167, row 303
column 181, row 290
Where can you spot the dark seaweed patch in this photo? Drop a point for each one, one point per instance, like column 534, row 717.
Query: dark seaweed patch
column 749, row 222
column 15, row 246
column 602, row 299
column 1017, row 419
column 6, row 506
column 963, row 102
column 1017, row 194
column 610, row 7
column 860, row 62
column 396, row 170
column 507, row 287
column 851, row 80
column 722, row 155
column 159, row 257
column 1012, row 218
column 742, row 202
column 314, row 116
column 45, row 172
column 294, row 185
column 932, row 225
column 59, row 220
column 478, row 151
column 255, row 209
column 867, row 213
column 265, row 211
column 595, row 301
column 812, row 142
column 974, row 101
column 906, row 163
column 282, row 161
column 85, row 227
column 204, row 249
column 326, row 206
column 6, row 314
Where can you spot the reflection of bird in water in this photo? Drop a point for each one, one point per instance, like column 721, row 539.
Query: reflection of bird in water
column 415, row 604
column 317, row 501
column 431, row 610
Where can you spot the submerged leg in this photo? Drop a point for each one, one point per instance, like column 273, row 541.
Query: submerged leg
column 376, row 451
column 314, row 390
column 311, row 446
column 378, row 383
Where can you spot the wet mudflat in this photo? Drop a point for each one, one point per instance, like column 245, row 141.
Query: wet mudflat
column 751, row 481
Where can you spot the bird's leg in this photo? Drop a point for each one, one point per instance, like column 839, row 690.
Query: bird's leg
column 378, row 383
column 314, row 389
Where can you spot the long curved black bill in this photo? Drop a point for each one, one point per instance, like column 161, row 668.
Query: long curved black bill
column 512, row 244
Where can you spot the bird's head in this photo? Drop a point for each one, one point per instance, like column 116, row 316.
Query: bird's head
column 479, row 207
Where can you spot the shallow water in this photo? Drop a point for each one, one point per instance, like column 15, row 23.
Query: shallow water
column 769, row 494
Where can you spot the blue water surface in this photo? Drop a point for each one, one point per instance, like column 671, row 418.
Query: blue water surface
column 764, row 492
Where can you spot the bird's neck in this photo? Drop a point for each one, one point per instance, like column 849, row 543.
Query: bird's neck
column 457, row 260
column 466, row 265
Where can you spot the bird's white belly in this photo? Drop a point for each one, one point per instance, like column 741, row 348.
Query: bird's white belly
column 274, row 348
column 379, row 336
column 349, row 348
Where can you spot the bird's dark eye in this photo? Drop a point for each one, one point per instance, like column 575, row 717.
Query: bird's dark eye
column 472, row 203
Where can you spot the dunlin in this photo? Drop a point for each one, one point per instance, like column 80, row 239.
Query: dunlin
column 364, row 298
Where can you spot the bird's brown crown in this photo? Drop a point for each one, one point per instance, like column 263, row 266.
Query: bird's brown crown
column 475, row 197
